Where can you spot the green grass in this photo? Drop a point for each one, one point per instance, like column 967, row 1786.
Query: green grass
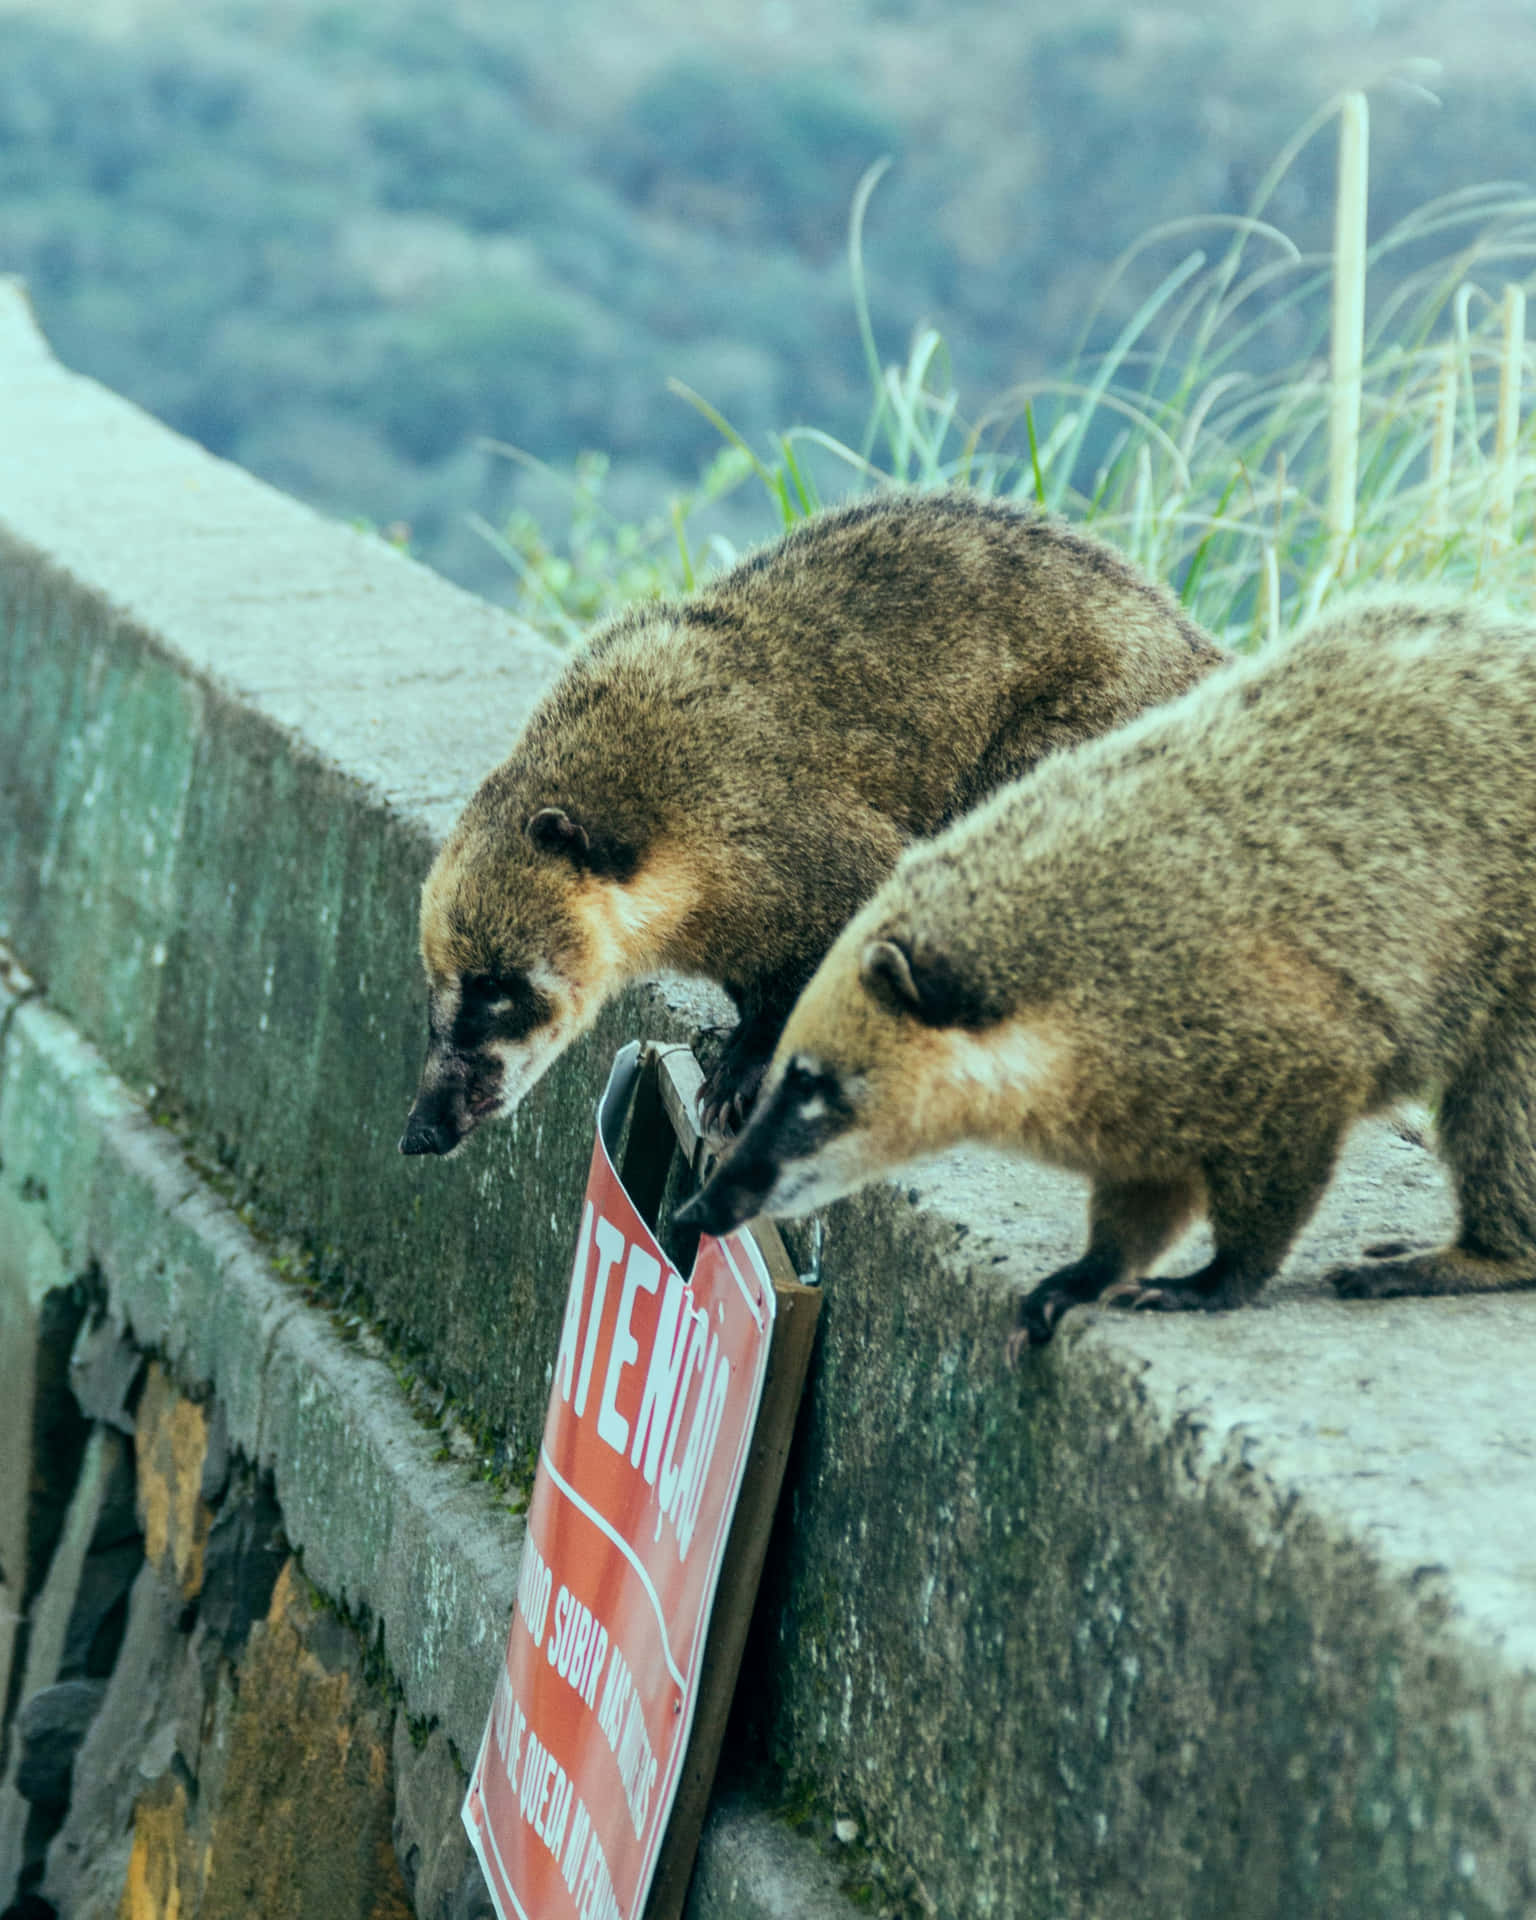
column 1258, row 489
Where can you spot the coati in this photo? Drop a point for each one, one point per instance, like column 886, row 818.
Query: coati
column 714, row 785
column 1183, row 960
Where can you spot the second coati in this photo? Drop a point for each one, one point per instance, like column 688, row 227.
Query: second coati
column 1186, row 959
column 714, row 785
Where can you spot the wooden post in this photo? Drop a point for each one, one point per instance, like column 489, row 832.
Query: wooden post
column 665, row 1098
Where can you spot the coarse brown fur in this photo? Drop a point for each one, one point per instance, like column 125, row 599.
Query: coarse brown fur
column 714, row 785
column 1186, row 959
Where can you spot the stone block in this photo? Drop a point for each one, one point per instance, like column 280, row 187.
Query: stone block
column 128, row 1748
column 104, row 1372
column 49, row 1730
column 430, row 1842
column 172, row 1447
column 304, row 1817
column 27, row 1826
column 245, row 1553
column 163, row 1881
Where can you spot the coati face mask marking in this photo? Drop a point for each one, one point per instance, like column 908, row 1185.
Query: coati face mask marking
column 493, row 1034
column 489, row 1037
column 802, row 1148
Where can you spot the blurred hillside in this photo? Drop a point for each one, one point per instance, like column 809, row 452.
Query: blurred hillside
column 338, row 243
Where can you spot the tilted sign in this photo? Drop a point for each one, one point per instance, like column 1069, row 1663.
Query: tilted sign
column 656, row 1387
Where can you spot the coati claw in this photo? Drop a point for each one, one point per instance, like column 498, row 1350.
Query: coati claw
column 1166, row 1296
column 1038, row 1314
column 727, row 1097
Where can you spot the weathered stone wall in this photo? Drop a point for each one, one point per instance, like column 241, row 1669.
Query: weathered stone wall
column 214, row 1743
column 1211, row 1618
column 192, row 1730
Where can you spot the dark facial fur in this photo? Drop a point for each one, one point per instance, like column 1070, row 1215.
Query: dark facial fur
column 500, row 951
column 805, row 1111
column 463, row 1080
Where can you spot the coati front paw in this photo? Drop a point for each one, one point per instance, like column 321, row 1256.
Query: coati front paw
column 1038, row 1313
column 728, row 1096
column 1077, row 1285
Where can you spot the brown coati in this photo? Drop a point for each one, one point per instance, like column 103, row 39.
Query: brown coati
column 1185, row 959
column 714, row 785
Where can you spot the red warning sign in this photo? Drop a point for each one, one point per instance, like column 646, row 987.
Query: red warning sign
column 656, row 1388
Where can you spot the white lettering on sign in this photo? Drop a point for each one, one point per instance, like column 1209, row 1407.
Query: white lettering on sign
column 577, row 1644
column 621, row 1718
column 637, row 1764
column 662, row 1376
column 616, row 1694
column 682, row 1356
column 610, row 1244
column 593, row 1891
column 698, row 1341
column 533, row 1583
column 508, row 1721
column 545, row 1794
column 642, row 1273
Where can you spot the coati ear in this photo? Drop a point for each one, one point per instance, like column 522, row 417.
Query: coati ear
column 928, row 988
column 886, row 970
column 553, row 829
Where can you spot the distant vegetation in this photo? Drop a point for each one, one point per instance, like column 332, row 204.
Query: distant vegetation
column 342, row 244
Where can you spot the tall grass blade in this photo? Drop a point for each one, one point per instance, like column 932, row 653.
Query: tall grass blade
column 1348, row 355
column 1506, row 442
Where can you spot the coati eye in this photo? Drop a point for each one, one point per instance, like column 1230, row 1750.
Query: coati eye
column 503, row 1005
column 811, row 1106
column 807, row 1083
column 484, row 989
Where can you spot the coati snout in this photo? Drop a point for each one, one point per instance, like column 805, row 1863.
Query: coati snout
column 477, row 1028
column 1185, row 959
column 784, row 1161
column 714, row 786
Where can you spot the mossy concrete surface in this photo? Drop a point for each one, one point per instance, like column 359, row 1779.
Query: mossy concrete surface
column 1207, row 1618
column 230, row 734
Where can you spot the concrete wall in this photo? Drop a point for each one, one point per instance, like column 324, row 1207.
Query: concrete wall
column 1212, row 1618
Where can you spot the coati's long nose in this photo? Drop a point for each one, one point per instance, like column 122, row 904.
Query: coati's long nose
column 707, row 1211
column 432, row 1126
column 726, row 1200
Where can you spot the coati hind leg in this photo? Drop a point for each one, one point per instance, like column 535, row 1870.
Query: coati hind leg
column 1130, row 1222
column 1258, row 1202
column 1487, row 1132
